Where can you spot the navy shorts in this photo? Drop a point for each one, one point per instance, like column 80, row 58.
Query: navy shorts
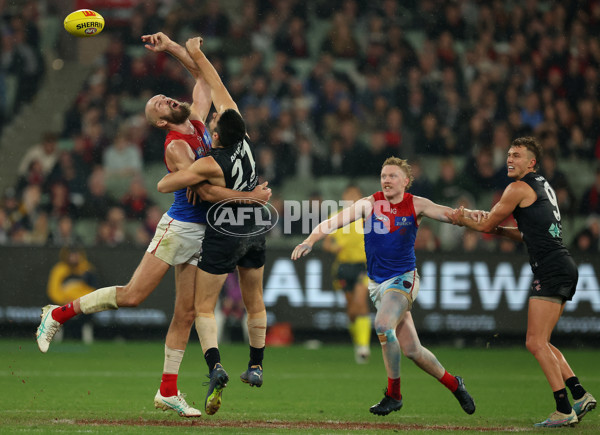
column 556, row 277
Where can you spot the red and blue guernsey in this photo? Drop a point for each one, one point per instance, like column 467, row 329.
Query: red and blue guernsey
column 390, row 233
column 200, row 142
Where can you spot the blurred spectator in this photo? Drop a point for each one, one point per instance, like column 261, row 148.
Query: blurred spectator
column 421, row 185
column 590, row 201
column 63, row 233
column 428, row 138
column 136, row 201
column 97, row 201
column 46, row 153
column 340, row 41
column 146, row 230
column 213, row 22
column 472, row 242
column 122, row 159
column 60, row 203
column 586, row 242
column 426, row 239
column 72, row 277
column 111, row 231
column 292, row 39
column 567, row 202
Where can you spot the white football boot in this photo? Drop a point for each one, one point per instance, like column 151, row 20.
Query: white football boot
column 176, row 403
column 47, row 329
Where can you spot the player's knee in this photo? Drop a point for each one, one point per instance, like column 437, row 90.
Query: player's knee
column 534, row 344
column 382, row 325
column 128, row 297
column 387, row 336
column 185, row 317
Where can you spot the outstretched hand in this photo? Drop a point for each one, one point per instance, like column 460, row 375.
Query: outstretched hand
column 193, row 45
column 301, row 250
column 156, row 42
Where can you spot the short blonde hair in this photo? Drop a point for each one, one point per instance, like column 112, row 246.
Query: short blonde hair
column 402, row 164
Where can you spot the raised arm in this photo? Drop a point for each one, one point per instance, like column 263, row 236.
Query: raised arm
column 158, row 42
column 220, row 96
column 360, row 209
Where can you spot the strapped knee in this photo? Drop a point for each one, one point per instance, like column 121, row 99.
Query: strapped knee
column 389, row 335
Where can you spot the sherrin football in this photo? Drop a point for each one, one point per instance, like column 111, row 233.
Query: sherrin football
column 84, row 22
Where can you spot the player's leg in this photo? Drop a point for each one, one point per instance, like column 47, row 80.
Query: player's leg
column 251, row 284
column 411, row 347
column 543, row 314
column 358, row 313
column 146, row 277
column 168, row 396
column 208, row 287
column 392, row 308
column 583, row 401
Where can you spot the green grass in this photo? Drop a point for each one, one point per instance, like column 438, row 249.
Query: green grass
column 108, row 387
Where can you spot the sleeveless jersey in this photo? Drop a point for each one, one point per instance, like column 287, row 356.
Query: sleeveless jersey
column 540, row 223
column 239, row 170
column 200, row 143
column 390, row 233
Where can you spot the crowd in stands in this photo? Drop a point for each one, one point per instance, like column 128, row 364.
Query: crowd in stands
column 330, row 88
column 21, row 60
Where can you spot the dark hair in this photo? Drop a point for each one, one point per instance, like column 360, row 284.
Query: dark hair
column 531, row 144
column 231, row 128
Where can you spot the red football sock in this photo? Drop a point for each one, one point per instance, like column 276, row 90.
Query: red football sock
column 168, row 385
column 64, row 313
column 393, row 389
column 449, row 381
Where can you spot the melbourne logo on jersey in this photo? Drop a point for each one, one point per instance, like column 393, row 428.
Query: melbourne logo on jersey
column 234, row 218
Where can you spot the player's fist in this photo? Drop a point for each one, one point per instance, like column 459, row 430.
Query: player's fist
column 194, row 44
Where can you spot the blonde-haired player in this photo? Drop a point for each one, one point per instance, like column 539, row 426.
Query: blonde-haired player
column 392, row 217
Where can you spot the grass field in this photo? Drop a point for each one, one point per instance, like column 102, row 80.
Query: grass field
column 108, row 387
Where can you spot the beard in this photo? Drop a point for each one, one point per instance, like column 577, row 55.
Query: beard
column 180, row 114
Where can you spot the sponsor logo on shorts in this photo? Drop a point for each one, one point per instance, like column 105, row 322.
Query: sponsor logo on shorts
column 234, row 218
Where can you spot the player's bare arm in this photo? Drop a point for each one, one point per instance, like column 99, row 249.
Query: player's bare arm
column 204, row 169
column 210, row 193
column 179, row 155
column 201, row 95
column 220, row 96
column 426, row 207
column 360, row 209
column 517, row 193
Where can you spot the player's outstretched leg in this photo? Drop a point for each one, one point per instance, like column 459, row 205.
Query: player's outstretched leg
column 177, row 404
column 463, row 397
column 386, row 405
column 253, row 376
column 584, row 405
column 558, row 419
column 47, row 329
column 218, row 381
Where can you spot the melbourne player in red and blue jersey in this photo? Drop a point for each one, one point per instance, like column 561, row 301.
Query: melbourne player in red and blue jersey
column 391, row 221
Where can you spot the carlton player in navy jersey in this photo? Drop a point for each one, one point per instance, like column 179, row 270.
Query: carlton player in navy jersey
column 230, row 164
column 391, row 220
column 532, row 202
column 178, row 237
